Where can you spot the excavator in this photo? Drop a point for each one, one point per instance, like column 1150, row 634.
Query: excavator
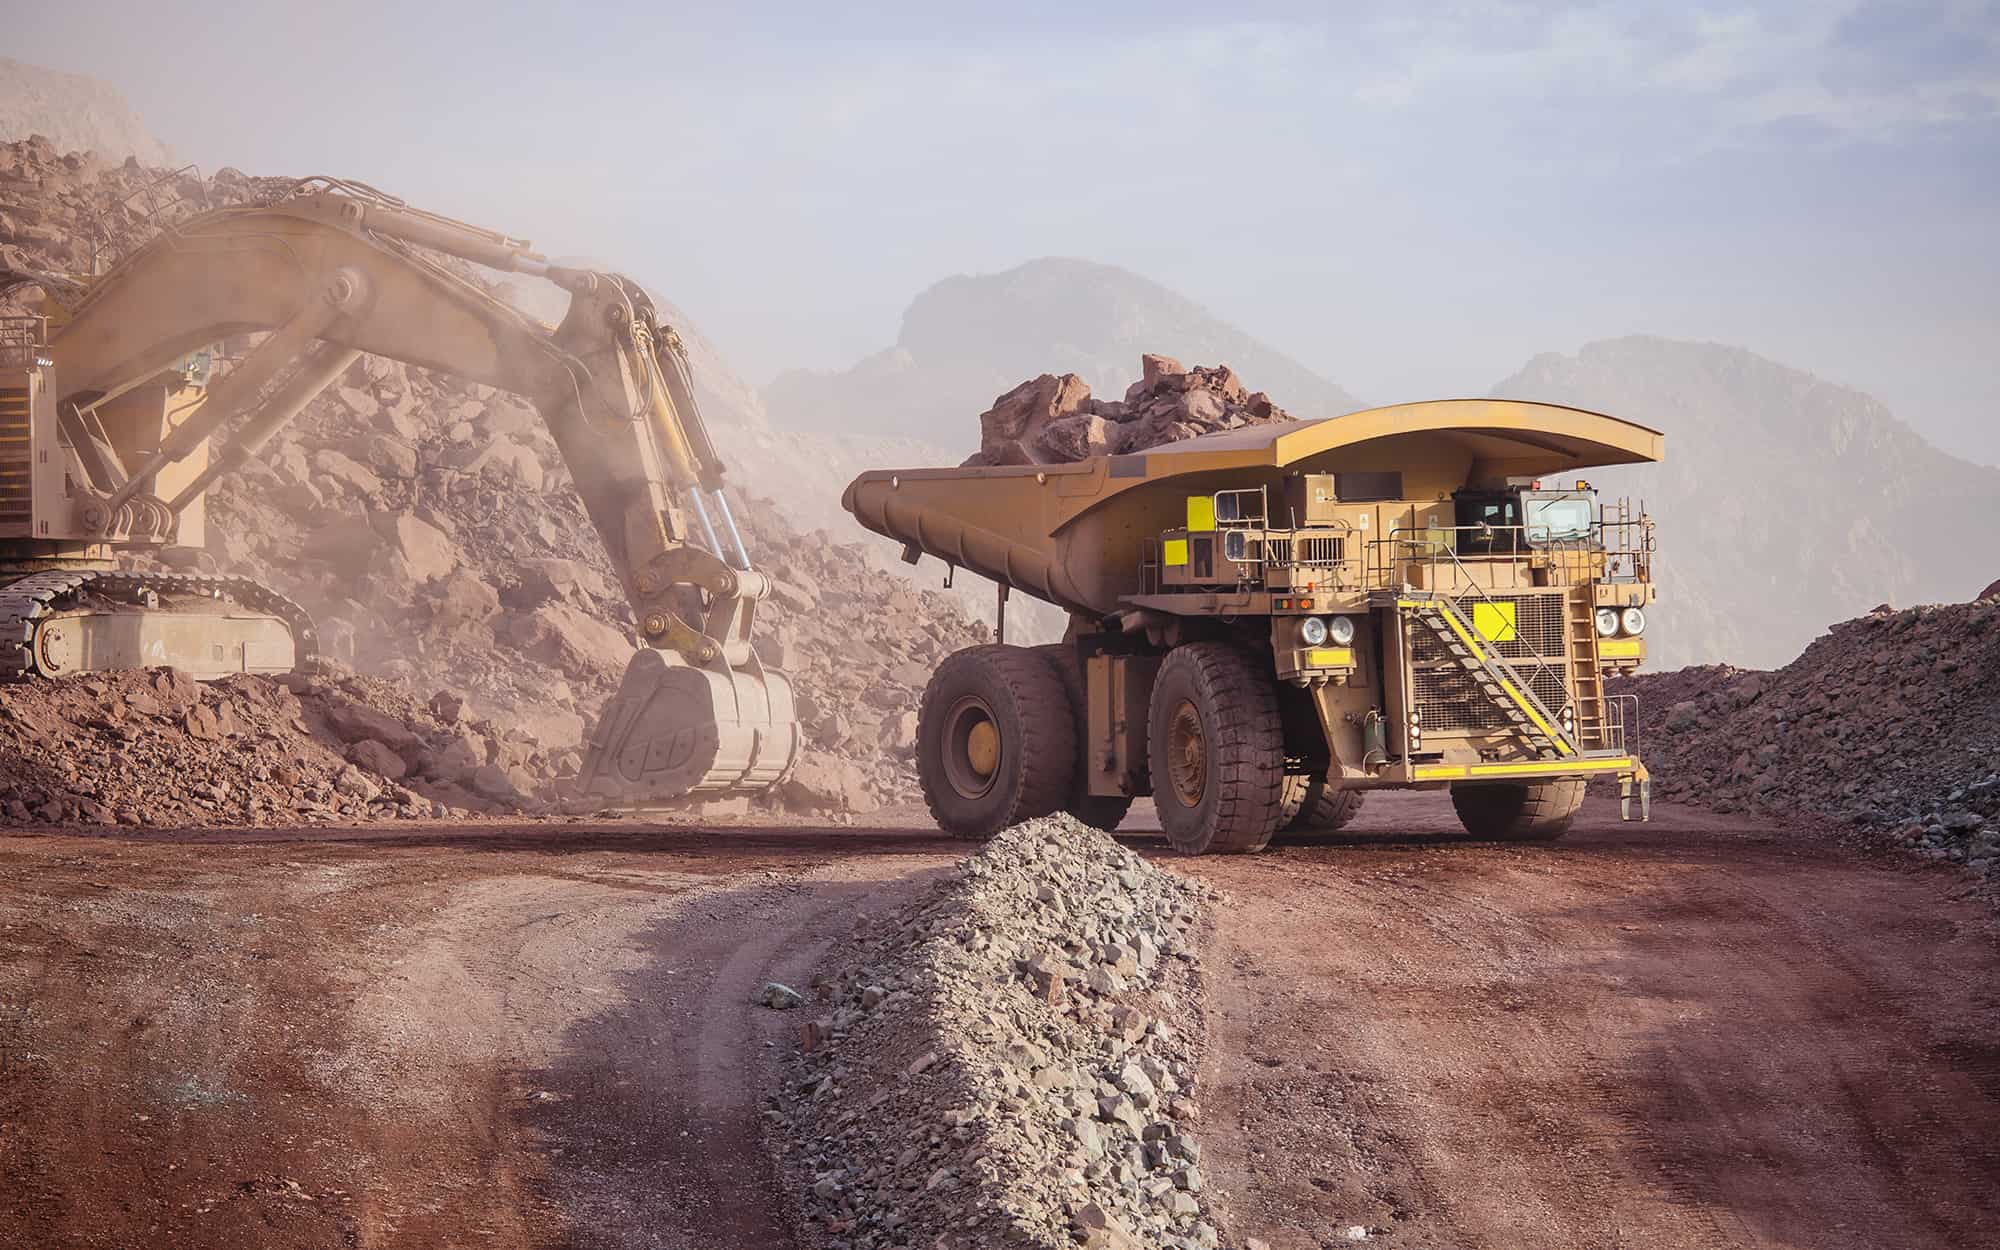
column 112, row 430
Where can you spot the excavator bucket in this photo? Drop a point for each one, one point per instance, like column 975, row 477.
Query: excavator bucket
column 674, row 731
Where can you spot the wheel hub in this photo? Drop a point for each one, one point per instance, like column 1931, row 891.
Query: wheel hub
column 971, row 747
column 1187, row 755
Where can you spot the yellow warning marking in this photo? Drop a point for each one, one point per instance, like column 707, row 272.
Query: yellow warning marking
column 1330, row 657
column 1434, row 772
column 1494, row 621
column 1621, row 649
column 1174, row 551
column 1201, row 513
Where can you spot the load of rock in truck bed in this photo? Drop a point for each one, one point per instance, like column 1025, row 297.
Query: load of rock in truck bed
column 1054, row 420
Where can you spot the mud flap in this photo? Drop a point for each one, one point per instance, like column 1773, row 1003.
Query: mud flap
column 674, row 731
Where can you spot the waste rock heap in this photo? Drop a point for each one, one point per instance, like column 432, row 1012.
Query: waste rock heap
column 1010, row 1062
column 156, row 748
column 1890, row 721
column 1054, row 420
column 429, row 526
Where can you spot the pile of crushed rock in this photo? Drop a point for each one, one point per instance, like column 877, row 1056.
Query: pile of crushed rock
column 1890, row 721
column 156, row 748
column 429, row 526
column 1011, row 1061
column 1053, row 419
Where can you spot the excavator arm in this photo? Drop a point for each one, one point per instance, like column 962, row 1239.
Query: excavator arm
column 336, row 269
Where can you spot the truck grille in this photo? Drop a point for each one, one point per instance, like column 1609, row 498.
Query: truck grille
column 1286, row 550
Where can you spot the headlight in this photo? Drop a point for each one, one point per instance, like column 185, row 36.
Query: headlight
column 1312, row 631
column 1341, row 629
column 1634, row 621
column 1607, row 622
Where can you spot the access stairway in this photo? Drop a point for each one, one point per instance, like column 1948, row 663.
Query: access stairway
column 1510, row 693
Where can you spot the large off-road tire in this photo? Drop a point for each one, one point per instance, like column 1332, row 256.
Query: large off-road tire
column 1099, row 811
column 996, row 743
column 1514, row 811
column 1309, row 805
column 1217, row 750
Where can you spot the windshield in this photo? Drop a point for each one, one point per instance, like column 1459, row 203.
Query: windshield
column 1564, row 518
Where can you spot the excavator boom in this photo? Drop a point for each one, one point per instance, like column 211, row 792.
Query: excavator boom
column 326, row 272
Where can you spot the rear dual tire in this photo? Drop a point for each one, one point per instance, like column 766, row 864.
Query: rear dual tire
column 996, row 741
column 1310, row 805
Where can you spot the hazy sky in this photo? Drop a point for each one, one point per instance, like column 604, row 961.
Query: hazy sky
column 1410, row 199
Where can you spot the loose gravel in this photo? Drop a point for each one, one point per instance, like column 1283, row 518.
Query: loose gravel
column 1012, row 1061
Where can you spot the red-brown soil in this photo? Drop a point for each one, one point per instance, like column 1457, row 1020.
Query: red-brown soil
column 1692, row 1032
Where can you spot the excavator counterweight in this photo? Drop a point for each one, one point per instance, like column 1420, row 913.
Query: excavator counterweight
column 111, row 434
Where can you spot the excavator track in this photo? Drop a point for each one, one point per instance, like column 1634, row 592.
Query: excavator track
column 32, row 604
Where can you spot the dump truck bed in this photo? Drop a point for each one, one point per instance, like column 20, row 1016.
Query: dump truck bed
column 1078, row 535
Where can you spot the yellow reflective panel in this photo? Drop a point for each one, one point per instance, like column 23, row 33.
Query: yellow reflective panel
column 1494, row 621
column 1174, row 551
column 1201, row 514
column 1621, row 649
column 1330, row 657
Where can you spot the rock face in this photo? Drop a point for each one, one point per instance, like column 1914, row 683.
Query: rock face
column 429, row 525
column 74, row 113
column 1891, row 720
column 1053, row 419
column 968, row 338
column 1784, row 502
column 1012, row 1061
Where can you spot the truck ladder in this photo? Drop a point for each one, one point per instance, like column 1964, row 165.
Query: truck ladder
column 1498, row 680
column 1586, row 670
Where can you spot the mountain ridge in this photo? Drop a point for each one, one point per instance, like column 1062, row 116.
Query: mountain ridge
column 969, row 337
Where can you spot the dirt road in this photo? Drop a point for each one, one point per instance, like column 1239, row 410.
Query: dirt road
column 1689, row 1033
column 1683, row 1033
column 510, row 1038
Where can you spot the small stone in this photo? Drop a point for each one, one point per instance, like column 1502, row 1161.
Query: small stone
column 779, row 997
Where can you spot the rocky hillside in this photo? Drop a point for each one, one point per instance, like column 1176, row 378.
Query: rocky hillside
column 75, row 113
column 1890, row 720
column 970, row 338
column 1785, row 501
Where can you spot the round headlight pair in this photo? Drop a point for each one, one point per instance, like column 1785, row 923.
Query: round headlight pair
column 1610, row 621
column 1315, row 630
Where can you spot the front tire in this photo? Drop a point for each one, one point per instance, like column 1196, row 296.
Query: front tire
column 1518, row 812
column 996, row 744
column 1217, row 751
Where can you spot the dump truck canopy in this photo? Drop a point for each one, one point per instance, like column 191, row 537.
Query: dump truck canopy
column 1538, row 438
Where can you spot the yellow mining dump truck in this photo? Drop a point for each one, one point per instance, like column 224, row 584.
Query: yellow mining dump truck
column 1267, row 623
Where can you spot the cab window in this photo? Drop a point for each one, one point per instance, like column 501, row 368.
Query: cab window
column 1488, row 523
column 1561, row 519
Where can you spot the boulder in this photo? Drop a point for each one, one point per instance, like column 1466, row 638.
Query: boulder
column 827, row 783
column 581, row 646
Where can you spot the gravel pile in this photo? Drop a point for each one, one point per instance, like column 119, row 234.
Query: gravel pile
column 1890, row 721
column 1053, row 419
column 1011, row 1062
column 430, row 527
